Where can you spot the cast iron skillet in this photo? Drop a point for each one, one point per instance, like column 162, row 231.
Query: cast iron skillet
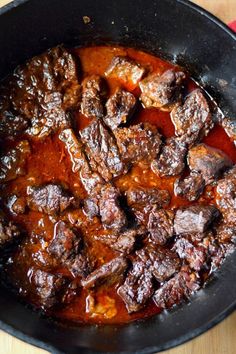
column 176, row 30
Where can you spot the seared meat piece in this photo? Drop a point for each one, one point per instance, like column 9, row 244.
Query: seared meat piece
column 41, row 93
column 92, row 92
column 106, row 204
column 195, row 219
column 101, row 148
column 191, row 187
column 111, row 272
column 137, row 288
column 139, row 142
column 229, row 126
column 91, row 180
column 16, row 205
column 177, row 289
column 226, row 196
column 112, row 216
column 120, row 108
column 12, row 164
column 196, row 256
column 160, row 261
column 160, row 225
column 9, row 232
column 142, row 200
column 162, row 91
column 125, row 69
column 122, row 242
column 210, row 162
column 171, row 161
column 49, row 287
column 193, row 119
column 66, row 248
column 49, row 199
column 11, row 123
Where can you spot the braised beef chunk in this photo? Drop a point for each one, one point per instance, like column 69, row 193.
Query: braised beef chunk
column 193, row 119
column 139, row 142
column 161, row 262
column 49, row 199
column 137, row 288
column 91, row 180
column 226, row 196
column 122, row 242
column 112, row 215
column 120, row 108
column 12, row 163
column 16, row 205
column 195, row 218
column 196, row 256
column 210, row 162
column 125, row 69
column 92, row 93
column 102, row 150
column 143, row 200
column 111, row 272
column 49, row 287
column 160, row 225
column 162, row 91
column 41, row 92
column 171, row 161
column 229, row 126
column 191, row 187
column 176, row 289
column 9, row 232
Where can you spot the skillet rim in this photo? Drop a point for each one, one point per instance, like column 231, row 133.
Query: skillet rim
column 171, row 343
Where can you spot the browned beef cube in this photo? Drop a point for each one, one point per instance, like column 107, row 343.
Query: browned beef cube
column 191, row 187
column 49, row 199
column 91, row 180
column 9, row 232
column 122, row 242
column 226, row 196
column 171, row 161
column 196, row 218
column 67, row 249
column 162, row 91
column 11, row 123
column 221, row 252
column 139, row 142
column 102, row 150
column 49, row 287
column 91, row 206
column 41, row 93
column 196, row 256
column 12, row 164
column 210, row 162
column 125, row 69
column 229, row 126
column 92, row 92
column 111, row 213
column 176, row 289
column 120, row 108
column 65, row 242
column 142, row 201
column 193, row 119
column 111, row 272
column 160, row 225
column 161, row 262
column 137, row 288
column 16, row 205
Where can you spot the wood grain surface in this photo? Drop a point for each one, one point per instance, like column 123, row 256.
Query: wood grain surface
column 219, row 340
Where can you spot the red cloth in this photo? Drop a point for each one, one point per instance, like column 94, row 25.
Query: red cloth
column 232, row 25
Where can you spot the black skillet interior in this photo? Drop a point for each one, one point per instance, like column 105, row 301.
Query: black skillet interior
column 175, row 30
